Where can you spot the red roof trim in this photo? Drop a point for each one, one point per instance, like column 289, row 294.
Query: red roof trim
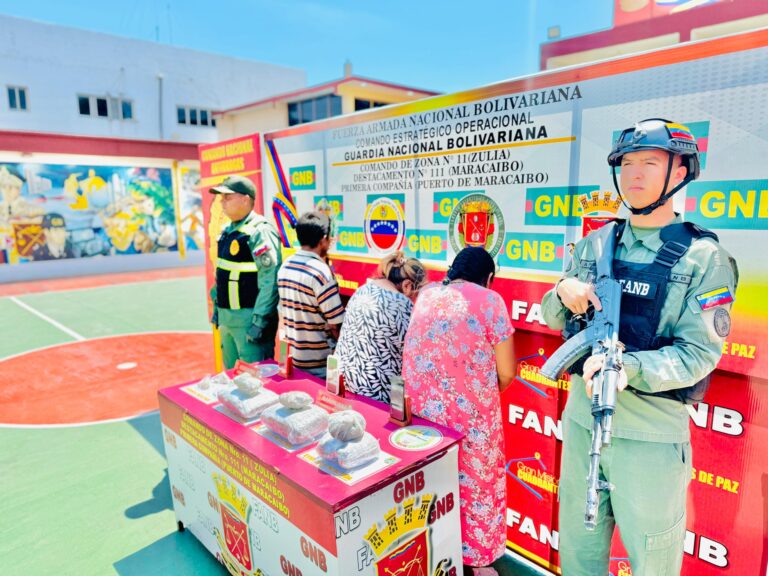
column 545, row 79
column 41, row 142
column 682, row 22
column 323, row 87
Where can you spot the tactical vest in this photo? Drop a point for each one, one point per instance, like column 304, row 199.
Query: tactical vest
column 236, row 272
column 644, row 291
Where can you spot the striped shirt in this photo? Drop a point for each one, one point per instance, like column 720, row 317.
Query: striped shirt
column 309, row 300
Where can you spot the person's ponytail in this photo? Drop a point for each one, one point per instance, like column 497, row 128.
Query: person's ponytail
column 397, row 268
column 472, row 264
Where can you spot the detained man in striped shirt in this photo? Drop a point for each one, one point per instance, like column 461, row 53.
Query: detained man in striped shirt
column 310, row 302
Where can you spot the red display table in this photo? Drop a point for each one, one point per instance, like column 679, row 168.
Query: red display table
column 262, row 506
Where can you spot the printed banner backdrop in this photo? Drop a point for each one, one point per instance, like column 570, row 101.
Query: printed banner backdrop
column 520, row 168
column 55, row 211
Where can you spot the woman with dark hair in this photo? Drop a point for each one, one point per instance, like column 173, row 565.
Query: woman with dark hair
column 371, row 343
column 458, row 357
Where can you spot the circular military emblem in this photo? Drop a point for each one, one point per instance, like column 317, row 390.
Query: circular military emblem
column 415, row 438
column 722, row 321
column 477, row 221
column 266, row 259
column 234, row 248
column 384, row 225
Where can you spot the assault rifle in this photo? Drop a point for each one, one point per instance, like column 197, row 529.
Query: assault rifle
column 601, row 335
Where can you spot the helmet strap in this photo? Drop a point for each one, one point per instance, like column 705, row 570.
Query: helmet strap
column 663, row 197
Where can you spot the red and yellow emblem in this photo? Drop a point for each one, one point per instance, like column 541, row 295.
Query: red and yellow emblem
column 401, row 544
column 477, row 221
column 598, row 208
column 234, row 538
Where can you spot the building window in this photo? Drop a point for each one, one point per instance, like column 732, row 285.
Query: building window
column 101, row 107
column 126, row 109
column 105, row 107
column 314, row 109
column 17, row 98
column 366, row 104
column 84, row 103
column 336, row 106
column 195, row 116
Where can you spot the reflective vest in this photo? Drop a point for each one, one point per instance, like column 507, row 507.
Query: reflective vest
column 236, row 272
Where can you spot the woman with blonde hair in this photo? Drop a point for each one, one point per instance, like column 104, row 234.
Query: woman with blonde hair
column 371, row 343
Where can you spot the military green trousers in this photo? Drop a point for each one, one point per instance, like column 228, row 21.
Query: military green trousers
column 233, row 327
column 647, row 504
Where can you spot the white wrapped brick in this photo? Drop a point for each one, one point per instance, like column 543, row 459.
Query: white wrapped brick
column 248, row 383
column 246, row 405
column 295, row 418
column 349, row 454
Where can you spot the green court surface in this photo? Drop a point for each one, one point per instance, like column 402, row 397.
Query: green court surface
column 90, row 495
column 92, row 500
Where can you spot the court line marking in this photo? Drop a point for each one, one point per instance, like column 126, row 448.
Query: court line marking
column 117, row 285
column 79, row 424
column 48, row 319
column 41, row 348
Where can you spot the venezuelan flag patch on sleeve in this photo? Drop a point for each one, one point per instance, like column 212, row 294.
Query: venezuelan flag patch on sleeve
column 716, row 297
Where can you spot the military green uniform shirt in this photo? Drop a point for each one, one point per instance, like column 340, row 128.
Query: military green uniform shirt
column 705, row 268
column 235, row 320
column 649, row 460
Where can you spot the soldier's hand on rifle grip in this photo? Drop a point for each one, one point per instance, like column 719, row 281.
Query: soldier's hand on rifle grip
column 577, row 295
column 592, row 366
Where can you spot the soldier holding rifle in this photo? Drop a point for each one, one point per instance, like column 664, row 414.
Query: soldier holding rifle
column 676, row 288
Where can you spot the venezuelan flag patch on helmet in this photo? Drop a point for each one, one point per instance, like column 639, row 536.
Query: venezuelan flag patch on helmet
column 679, row 131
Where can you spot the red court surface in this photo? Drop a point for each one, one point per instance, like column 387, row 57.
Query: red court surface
column 59, row 284
column 96, row 389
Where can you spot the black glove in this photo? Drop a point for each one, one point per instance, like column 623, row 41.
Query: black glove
column 215, row 317
column 254, row 334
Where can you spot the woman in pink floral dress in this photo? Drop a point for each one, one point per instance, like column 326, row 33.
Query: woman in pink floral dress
column 458, row 356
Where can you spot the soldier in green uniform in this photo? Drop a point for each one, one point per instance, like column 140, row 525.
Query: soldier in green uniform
column 678, row 284
column 245, row 295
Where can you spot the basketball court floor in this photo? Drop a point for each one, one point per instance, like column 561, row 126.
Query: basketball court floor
column 83, row 479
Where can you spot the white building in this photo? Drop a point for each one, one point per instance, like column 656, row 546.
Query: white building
column 71, row 81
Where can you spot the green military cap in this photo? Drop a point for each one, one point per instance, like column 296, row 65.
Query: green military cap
column 235, row 185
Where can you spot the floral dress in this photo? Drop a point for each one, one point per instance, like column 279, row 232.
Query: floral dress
column 449, row 367
column 371, row 343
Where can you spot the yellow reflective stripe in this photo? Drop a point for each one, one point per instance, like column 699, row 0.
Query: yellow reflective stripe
column 236, row 266
column 234, row 294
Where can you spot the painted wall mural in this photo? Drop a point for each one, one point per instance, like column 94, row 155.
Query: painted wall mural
column 55, row 211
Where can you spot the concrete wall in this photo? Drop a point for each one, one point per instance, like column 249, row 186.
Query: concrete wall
column 265, row 119
column 56, row 63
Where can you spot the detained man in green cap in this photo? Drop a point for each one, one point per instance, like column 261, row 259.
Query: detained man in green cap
column 245, row 295
column 678, row 285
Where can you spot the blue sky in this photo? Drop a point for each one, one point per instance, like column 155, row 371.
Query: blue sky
column 444, row 46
